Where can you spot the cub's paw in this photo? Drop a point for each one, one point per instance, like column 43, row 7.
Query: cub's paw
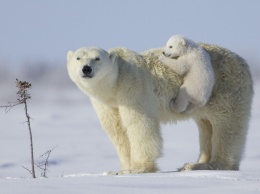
column 191, row 107
column 176, row 107
column 161, row 58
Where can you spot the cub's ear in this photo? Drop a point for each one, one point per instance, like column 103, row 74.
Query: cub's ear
column 183, row 42
column 113, row 56
column 69, row 55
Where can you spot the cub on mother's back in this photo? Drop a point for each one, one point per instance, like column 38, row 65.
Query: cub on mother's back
column 190, row 60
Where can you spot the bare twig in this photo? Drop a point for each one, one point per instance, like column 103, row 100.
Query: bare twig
column 27, row 169
column 23, row 96
column 31, row 139
column 43, row 166
column 10, row 106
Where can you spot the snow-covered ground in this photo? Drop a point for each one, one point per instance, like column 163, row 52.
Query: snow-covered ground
column 63, row 117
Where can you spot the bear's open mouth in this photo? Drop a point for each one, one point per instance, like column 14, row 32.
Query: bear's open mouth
column 169, row 55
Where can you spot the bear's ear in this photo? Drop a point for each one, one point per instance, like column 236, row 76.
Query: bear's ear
column 183, row 42
column 113, row 56
column 69, row 55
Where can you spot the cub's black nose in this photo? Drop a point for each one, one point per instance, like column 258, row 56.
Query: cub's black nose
column 87, row 70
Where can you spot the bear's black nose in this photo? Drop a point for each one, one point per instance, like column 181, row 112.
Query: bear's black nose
column 87, row 70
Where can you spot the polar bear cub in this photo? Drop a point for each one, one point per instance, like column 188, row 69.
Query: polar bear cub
column 190, row 60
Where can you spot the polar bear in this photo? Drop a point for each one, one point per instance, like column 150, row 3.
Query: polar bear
column 190, row 60
column 131, row 92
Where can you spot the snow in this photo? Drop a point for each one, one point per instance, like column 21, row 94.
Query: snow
column 195, row 182
column 63, row 117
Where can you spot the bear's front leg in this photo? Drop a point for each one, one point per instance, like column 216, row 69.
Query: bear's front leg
column 143, row 132
column 110, row 121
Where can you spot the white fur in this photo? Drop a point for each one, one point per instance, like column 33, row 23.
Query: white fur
column 131, row 95
column 190, row 60
column 128, row 123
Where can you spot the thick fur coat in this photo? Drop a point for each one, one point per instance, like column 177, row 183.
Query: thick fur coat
column 190, row 60
column 131, row 94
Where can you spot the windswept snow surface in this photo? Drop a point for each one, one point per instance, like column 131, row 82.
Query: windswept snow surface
column 188, row 182
column 63, row 117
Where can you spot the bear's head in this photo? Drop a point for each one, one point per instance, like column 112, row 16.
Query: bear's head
column 175, row 47
column 88, row 65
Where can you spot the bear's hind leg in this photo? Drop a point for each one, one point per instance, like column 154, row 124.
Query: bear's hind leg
column 205, row 135
column 228, row 140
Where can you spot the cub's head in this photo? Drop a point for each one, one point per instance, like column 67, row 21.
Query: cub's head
column 88, row 65
column 176, row 46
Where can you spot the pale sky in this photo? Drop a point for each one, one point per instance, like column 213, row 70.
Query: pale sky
column 47, row 29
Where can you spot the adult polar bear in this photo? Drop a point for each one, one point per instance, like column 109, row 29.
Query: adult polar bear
column 131, row 94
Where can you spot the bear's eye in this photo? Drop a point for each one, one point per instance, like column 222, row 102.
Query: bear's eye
column 78, row 58
column 170, row 46
column 97, row 58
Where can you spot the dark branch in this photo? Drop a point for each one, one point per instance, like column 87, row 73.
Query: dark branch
column 43, row 166
column 27, row 169
column 23, row 96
